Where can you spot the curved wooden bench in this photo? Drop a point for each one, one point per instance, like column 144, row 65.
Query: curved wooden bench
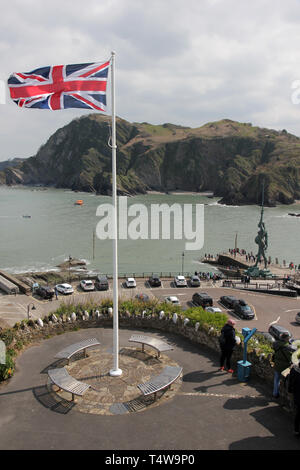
column 61, row 378
column 161, row 381
column 155, row 343
column 69, row 351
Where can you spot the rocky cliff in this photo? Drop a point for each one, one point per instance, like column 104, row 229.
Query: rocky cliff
column 227, row 157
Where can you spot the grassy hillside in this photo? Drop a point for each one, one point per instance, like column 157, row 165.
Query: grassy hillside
column 230, row 158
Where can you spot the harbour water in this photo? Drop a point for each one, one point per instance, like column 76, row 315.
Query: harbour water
column 57, row 229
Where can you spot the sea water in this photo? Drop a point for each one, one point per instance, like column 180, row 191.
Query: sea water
column 57, row 229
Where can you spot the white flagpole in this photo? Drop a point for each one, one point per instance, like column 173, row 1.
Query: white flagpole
column 115, row 372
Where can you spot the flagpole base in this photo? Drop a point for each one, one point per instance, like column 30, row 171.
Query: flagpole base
column 115, row 372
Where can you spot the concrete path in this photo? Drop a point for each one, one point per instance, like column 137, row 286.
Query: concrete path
column 211, row 410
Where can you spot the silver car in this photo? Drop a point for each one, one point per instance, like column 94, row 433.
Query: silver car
column 180, row 281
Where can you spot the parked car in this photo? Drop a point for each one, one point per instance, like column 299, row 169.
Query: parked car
column 228, row 301
column 45, row 292
column 64, row 288
column 87, row 285
column 195, row 281
column 154, row 280
column 202, row 299
column 213, row 309
column 130, row 282
column 102, row 283
column 243, row 310
column 142, row 297
column 172, row 299
column 277, row 330
column 180, row 281
column 297, row 317
column 266, row 336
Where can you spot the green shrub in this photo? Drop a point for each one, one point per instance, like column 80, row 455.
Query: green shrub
column 7, row 336
column 201, row 316
column 7, row 369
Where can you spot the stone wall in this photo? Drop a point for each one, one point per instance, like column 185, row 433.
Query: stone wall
column 208, row 336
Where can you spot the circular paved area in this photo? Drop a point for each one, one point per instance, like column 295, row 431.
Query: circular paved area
column 210, row 410
column 119, row 395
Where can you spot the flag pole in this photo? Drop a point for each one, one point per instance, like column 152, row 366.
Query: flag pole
column 115, row 372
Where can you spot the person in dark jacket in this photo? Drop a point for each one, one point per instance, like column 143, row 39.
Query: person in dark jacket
column 294, row 388
column 282, row 360
column 227, row 344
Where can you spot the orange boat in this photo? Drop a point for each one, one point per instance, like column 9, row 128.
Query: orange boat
column 79, row 202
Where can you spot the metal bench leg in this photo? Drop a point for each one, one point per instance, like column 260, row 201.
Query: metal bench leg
column 72, row 396
column 84, row 351
column 143, row 347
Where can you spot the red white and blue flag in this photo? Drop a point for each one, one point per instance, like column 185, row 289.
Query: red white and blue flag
column 61, row 87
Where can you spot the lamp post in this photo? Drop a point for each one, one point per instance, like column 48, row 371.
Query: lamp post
column 28, row 309
column 70, row 259
column 182, row 262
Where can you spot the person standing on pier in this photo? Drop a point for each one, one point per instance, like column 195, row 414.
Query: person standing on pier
column 294, row 388
column 227, row 344
column 282, row 359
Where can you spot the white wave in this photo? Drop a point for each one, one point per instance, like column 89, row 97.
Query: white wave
column 31, row 269
column 216, row 203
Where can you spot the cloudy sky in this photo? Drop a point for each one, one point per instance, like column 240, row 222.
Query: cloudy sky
column 186, row 62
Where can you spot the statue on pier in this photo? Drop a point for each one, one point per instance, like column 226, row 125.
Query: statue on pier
column 261, row 240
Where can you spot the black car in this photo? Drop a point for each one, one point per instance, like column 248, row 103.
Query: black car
column 228, row 301
column 102, row 283
column 202, row 299
column 45, row 292
column 267, row 337
column 243, row 310
column 154, row 280
column 277, row 330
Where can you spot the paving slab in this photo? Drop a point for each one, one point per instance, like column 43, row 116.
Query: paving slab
column 211, row 410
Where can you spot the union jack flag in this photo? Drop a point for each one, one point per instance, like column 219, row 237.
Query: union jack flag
column 61, row 87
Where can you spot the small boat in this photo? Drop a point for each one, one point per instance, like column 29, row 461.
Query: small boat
column 27, row 216
column 79, row 202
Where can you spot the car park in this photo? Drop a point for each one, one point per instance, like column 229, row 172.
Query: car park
column 243, row 310
column 213, row 309
column 202, row 299
column 154, row 280
column 195, row 281
column 130, row 282
column 180, row 281
column 297, row 318
column 228, row 301
column 87, row 285
column 142, row 297
column 102, row 283
column 64, row 288
column 45, row 292
column 172, row 299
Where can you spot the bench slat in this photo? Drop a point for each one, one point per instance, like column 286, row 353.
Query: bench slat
column 157, row 344
column 161, row 381
column 76, row 347
column 62, row 379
